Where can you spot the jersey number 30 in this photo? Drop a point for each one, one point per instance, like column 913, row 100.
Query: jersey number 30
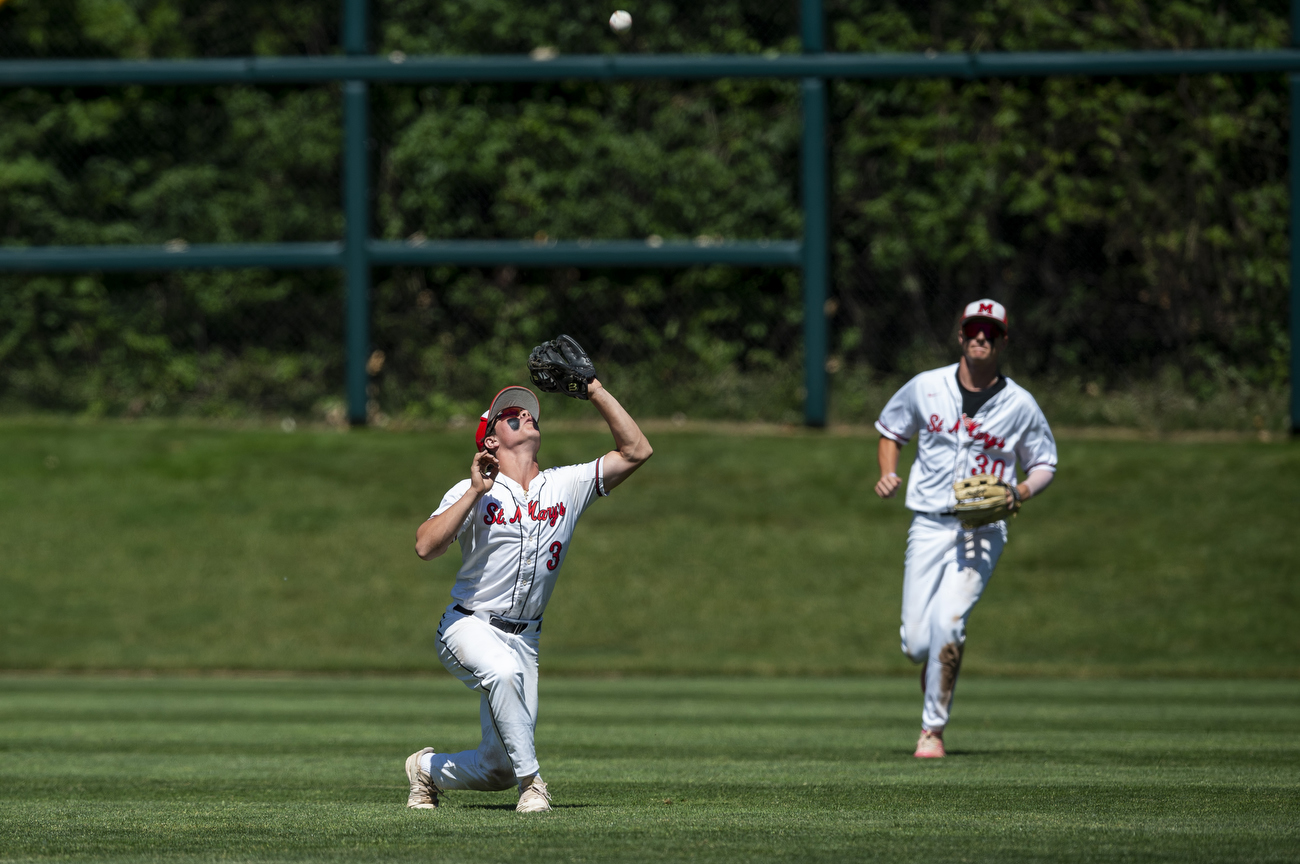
column 982, row 466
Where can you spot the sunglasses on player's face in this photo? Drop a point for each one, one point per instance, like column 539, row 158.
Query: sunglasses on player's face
column 512, row 418
column 971, row 329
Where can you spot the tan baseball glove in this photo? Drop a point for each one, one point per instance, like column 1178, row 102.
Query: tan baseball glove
column 983, row 499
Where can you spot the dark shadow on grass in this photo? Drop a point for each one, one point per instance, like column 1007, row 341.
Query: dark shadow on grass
column 512, row 806
column 485, row 806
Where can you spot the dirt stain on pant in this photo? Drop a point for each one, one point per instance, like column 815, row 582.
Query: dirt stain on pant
column 949, row 666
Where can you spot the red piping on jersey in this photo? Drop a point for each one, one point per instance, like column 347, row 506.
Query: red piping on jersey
column 895, row 435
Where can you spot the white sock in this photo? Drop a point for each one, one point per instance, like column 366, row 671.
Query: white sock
column 426, row 763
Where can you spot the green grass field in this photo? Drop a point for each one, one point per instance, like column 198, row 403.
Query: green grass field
column 754, row 769
column 183, row 547
column 1130, row 690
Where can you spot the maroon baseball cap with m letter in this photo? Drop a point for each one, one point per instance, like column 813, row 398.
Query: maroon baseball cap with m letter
column 513, row 396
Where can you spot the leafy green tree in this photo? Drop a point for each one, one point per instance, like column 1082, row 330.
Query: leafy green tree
column 1136, row 227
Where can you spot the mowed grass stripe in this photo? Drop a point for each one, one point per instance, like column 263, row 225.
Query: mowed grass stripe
column 755, row 769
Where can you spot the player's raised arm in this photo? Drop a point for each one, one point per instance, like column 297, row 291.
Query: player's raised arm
column 561, row 366
column 631, row 448
column 435, row 535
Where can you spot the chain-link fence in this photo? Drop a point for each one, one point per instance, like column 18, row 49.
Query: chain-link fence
column 144, row 29
column 140, row 29
column 1135, row 227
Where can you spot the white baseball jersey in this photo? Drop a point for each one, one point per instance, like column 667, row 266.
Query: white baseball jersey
column 514, row 542
column 1006, row 432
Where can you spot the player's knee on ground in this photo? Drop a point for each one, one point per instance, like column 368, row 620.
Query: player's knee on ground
column 500, row 774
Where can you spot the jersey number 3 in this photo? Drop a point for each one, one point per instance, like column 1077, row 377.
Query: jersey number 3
column 554, row 560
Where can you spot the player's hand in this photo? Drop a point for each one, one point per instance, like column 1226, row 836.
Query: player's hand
column 888, row 485
column 1013, row 500
column 483, row 472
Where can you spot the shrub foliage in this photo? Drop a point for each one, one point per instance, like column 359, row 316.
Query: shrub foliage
column 1136, row 227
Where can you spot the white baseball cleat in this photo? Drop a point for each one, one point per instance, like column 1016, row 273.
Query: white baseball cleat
column 534, row 798
column 930, row 745
column 424, row 792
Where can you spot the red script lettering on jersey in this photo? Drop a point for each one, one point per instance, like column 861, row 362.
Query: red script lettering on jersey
column 495, row 514
column 991, row 441
column 546, row 514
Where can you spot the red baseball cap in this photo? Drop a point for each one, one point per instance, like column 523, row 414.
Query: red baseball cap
column 987, row 310
column 513, row 396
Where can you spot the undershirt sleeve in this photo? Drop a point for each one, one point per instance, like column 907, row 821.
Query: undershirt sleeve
column 1039, row 479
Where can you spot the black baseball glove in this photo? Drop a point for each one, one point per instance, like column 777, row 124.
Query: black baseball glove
column 561, row 366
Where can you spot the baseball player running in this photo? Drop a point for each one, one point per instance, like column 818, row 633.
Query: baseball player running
column 972, row 421
column 514, row 523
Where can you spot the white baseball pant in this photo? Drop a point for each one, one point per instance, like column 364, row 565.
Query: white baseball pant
column 503, row 668
column 946, row 571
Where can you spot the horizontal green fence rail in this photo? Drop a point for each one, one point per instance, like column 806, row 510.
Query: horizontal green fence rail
column 171, row 257
column 399, row 68
column 578, row 253
column 527, row 253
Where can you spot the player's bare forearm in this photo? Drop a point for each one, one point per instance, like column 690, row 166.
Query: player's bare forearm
column 887, row 456
column 434, row 537
column 631, row 448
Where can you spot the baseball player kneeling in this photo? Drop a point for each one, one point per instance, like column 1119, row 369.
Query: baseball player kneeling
column 976, row 427
column 514, row 523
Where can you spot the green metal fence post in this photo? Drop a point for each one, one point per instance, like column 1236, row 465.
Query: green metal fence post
column 356, row 214
column 816, row 216
column 1294, row 168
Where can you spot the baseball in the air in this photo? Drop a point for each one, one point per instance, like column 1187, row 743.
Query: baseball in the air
column 620, row 22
